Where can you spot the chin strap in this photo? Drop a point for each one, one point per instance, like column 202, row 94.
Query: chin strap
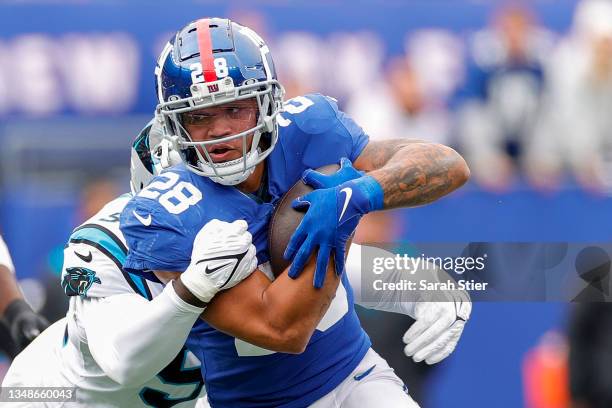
column 233, row 179
column 234, row 166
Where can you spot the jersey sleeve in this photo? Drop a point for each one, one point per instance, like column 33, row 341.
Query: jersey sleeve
column 331, row 133
column 124, row 332
column 92, row 267
column 355, row 136
column 157, row 239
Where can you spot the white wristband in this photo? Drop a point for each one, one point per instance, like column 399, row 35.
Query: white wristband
column 199, row 286
column 180, row 303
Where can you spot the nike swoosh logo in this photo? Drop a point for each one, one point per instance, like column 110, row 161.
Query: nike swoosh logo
column 85, row 258
column 145, row 221
column 209, row 270
column 361, row 376
column 349, row 193
column 231, row 258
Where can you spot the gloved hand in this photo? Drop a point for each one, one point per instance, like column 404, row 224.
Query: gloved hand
column 319, row 180
column 437, row 329
column 222, row 257
column 332, row 214
column 24, row 324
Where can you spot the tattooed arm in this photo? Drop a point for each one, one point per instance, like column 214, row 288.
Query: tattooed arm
column 413, row 172
column 400, row 173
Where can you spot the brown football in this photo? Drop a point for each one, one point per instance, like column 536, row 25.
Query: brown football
column 285, row 220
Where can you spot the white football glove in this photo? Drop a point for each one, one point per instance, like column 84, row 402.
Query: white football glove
column 437, row 329
column 222, row 256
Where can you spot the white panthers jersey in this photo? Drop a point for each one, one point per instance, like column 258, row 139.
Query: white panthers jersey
column 93, row 271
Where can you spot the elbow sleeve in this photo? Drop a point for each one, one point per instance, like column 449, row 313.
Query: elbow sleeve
column 127, row 334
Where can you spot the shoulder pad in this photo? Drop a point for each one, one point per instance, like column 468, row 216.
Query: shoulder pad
column 102, row 230
column 158, row 228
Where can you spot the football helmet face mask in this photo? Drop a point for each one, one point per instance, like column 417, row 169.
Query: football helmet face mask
column 209, row 63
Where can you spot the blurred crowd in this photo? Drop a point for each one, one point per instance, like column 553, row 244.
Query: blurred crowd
column 526, row 106
column 523, row 104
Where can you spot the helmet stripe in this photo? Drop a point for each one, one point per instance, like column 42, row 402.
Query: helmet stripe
column 206, row 54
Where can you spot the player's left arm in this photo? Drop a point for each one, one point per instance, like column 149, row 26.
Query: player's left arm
column 412, row 172
column 385, row 175
column 23, row 322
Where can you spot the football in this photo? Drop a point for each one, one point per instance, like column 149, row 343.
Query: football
column 285, row 220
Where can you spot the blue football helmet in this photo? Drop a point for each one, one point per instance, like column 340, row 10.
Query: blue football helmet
column 211, row 62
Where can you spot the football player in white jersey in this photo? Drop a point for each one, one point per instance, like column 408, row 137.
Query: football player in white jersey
column 101, row 347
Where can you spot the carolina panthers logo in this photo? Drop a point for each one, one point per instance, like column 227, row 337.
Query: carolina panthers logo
column 77, row 281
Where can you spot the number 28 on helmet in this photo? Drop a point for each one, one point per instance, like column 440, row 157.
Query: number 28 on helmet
column 209, row 63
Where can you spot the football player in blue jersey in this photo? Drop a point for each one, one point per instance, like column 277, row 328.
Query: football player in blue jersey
column 243, row 148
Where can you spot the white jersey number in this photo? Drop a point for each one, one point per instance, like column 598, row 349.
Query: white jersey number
column 197, row 73
column 294, row 106
column 174, row 199
column 185, row 382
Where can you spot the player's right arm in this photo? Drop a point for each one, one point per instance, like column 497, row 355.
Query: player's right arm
column 120, row 325
column 123, row 330
column 279, row 315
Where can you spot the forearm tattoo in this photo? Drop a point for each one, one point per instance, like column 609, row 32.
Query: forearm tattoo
column 413, row 173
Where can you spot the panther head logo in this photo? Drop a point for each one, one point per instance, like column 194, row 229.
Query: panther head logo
column 78, row 280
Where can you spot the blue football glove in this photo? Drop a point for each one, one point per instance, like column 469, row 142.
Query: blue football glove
column 332, row 214
column 319, row 180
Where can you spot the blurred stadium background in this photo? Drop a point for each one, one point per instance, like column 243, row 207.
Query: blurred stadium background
column 522, row 90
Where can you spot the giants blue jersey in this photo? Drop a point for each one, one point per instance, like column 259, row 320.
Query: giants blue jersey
column 161, row 223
